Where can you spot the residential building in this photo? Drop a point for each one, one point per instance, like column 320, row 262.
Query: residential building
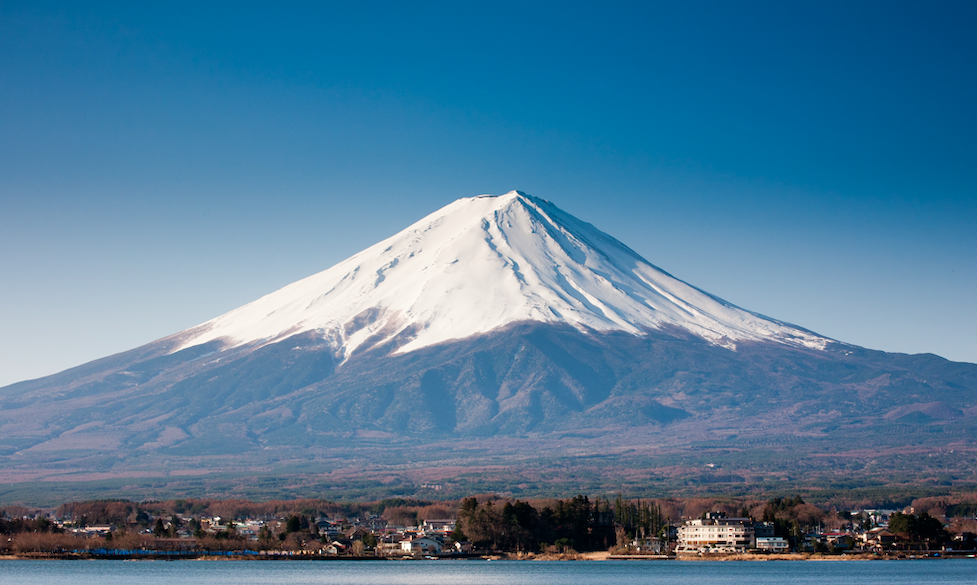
column 422, row 545
column 445, row 527
column 772, row 544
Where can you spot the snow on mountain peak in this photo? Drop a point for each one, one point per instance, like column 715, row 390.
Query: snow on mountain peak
column 481, row 263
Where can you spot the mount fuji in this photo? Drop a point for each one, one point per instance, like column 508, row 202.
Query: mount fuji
column 499, row 344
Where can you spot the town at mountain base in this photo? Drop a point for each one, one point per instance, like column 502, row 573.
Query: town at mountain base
column 575, row 364
column 492, row 526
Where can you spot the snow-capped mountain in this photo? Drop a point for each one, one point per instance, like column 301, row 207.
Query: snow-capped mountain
column 498, row 336
column 480, row 264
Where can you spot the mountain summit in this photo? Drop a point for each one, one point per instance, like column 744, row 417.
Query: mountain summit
column 480, row 264
column 497, row 345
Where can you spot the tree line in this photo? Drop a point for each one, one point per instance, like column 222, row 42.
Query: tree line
column 577, row 523
column 490, row 522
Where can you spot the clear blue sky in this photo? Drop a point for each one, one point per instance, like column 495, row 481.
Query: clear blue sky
column 815, row 162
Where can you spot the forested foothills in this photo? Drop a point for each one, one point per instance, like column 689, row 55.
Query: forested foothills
column 477, row 525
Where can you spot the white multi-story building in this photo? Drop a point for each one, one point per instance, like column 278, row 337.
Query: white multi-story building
column 716, row 534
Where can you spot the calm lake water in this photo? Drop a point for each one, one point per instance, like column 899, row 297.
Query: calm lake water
column 919, row 572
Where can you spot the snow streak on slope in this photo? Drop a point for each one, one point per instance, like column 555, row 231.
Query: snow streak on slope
column 479, row 264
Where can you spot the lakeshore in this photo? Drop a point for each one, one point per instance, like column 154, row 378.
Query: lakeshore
column 597, row 556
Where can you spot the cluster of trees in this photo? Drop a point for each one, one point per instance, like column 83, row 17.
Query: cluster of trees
column 792, row 517
column 128, row 512
column 639, row 518
column 778, row 512
column 118, row 512
column 962, row 509
column 577, row 523
column 19, row 525
column 922, row 530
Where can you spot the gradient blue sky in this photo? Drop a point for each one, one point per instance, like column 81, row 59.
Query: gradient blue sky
column 815, row 162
